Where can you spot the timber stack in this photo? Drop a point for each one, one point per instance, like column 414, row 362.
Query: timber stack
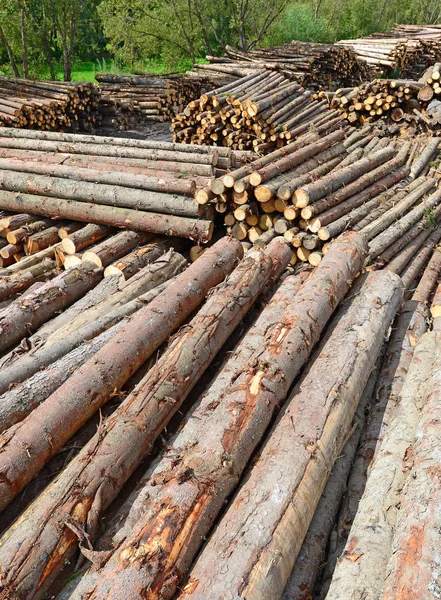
column 48, row 105
column 260, row 111
column 127, row 101
column 311, row 65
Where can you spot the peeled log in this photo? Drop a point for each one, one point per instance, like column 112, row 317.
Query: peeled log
column 260, row 535
column 234, row 419
column 125, row 218
column 153, row 275
column 93, row 383
column 413, row 570
column 126, row 437
column 29, row 313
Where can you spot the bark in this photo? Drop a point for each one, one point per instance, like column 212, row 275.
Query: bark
column 399, row 262
column 115, row 247
column 435, row 309
column 397, row 211
column 41, row 240
column 29, row 261
column 14, row 221
column 311, row 557
column 127, row 436
column 387, row 237
column 84, row 237
column 29, row 313
column 62, row 341
column 361, row 569
column 22, row 233
column 195, row 484
column 197, row 229
column 395, row 248
column 425, row 157
column 186, row 187
column 20, row 400
column 414, row 268
column 413, row 569
column 93, row 383
column 19, row 283
column 11, row 57
column 334, row 181
column 260, row 535
column 108, row 195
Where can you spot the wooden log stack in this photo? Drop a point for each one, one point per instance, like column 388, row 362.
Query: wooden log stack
column 127, row 102
column 48, row 105
column 262, row 110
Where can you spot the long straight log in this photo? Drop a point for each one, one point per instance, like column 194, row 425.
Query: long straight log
column 315, row 423
column 53, row 296
column 234, row 419
column 151, row 276
column 115, row 247
column 197, row 229
column 22, row 281
column 151, row 402
column 93, row 383
column 416, row 265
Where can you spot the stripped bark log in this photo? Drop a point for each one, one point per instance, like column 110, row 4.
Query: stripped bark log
column 153, row 402
column 93, row 383
column 234, row 419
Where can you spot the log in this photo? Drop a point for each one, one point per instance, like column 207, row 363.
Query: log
column 84, row 237
column 22, row 281
column 115, row 247
column 93, row 383
column 45, row 206
column 316, row 421
column 413, row 569
column 41, row 240
column 416, row 265
column 22, row 233
column 20, row 400
column 154, row 401
column 67, row 338
column 233, row 419
column 435, row 309
column 29, row 313
column 425, row 157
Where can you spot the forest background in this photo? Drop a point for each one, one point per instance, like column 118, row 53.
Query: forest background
column 74, row 39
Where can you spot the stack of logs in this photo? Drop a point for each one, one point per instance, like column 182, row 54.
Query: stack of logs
column 127, row 102
column 72, row 344
column 408, row 50
column 139, row 185
column 313, row 189
column 311, row 65
column 48, row 105
column 262, row 110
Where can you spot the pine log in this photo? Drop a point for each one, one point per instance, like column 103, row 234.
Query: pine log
column 93, row 383
column 404, row 256
column 65, row 340
column 22, row 233
column 412, row 271
column 24, row 315
column 84, row 237
column 115, row 247
column 198, row 229
column 22, row 281
column 151, row 402
column 313, row 427
column 234, row 420
column 425, row 157
column 435, row 309
column 41, row 240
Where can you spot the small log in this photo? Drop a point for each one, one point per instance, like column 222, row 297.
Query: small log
column 115, row 247
column 84, row 237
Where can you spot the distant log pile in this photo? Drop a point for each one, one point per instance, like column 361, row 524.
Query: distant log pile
column 127, row 102
column 262, row 110
column 311, row 65
column 48, row 105
column 408, row 49
column 139, row 185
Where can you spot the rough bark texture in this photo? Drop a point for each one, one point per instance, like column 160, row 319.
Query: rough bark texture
column 197, row 229
column 193, row 479
column 93, row 383
column 20, row 282
column 84, row 237
column 435, row 309
column 26, row 314
column 413, row 270
column 127, row 436
column 115, row 247
column 20, row 400
column 414, row 568
column 311, row 557
column 153, row 275
column 259, row 537
column 361, row 569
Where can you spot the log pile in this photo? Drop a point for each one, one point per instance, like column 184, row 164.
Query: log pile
column 48, row 105
column 262, row 110
column 127, row 102
column 310, row 65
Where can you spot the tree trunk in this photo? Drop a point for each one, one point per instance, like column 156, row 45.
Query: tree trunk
column 312, row 429
column 153, row 402
column 197, row 229
column 24, row 43
column 84, row 237
column 10, row 54
column 93, row 383
column 416, row 265
column 15, row 236
column 413, row 569
column 404, row 256
column 17, row 402
column 311, row 557
column 115, row 247
column 53, row 296
column 425, row 157
column 41, row 240
column 234, row 418
column 22, row 281
column 62, row 341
